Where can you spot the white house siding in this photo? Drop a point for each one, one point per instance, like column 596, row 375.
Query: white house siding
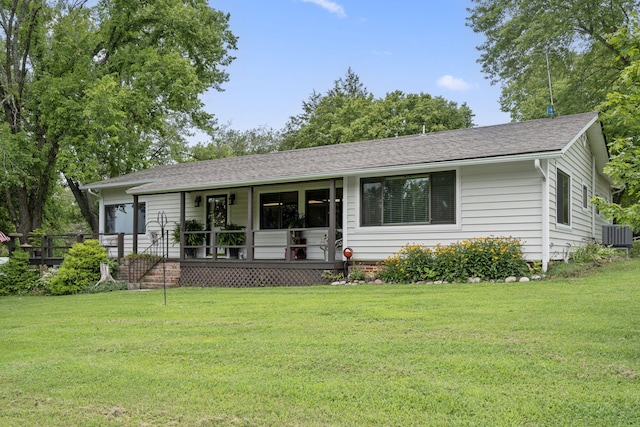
column 585, row 224
column 497, row 200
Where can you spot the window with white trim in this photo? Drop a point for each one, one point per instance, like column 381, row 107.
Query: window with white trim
column 118, row 218
column 409, row 199
column 563, row 198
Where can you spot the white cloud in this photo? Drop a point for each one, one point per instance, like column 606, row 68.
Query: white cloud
column 453, row 83
column 330, row 6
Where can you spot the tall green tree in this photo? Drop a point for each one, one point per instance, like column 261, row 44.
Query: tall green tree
column 227, row 142
column 622, row 120
column 94, row 92
column 520, row 36
column 349, row 112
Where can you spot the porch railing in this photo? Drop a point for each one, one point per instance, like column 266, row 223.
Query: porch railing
column 51, row 249
column 294, row 244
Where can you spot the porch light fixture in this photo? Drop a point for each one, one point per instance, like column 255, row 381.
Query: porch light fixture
column 232, row 198
column 197, row 201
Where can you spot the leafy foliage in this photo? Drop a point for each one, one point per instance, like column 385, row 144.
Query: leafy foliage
column 116, row 84
column 80, row 268
column 623, row 122
column 574, row 34
column 227, row 142
column 17, row 277
column 593, row 252
column 485, row 258
column 349, row 112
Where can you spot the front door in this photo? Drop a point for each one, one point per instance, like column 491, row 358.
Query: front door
column 216, row 218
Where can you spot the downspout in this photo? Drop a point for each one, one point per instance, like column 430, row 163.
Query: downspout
column 593, row 192
column 545, row 218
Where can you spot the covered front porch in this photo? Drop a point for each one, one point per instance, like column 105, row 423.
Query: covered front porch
column 246, row 236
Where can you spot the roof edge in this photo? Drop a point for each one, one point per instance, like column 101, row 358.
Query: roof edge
column 355, row 172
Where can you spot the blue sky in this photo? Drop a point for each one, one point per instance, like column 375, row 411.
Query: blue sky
column 289, row 48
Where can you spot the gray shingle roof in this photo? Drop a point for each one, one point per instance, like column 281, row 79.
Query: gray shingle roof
column 511, row 139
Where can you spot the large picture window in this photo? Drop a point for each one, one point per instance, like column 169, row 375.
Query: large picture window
column 416, row 199
column 563, row 198
column 278, row 210
column 119, row 218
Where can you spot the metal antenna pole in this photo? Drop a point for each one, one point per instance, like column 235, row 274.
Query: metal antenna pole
column 546, row 55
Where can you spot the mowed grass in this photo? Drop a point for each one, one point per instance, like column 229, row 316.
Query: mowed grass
column 552, row 353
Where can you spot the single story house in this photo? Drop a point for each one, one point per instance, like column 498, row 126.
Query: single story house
column 294, row 211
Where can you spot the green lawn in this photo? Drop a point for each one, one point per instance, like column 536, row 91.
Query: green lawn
column 551, row 353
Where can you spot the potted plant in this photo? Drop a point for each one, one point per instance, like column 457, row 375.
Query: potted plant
column 191, row 239
column 231, row 239
column 297, row 221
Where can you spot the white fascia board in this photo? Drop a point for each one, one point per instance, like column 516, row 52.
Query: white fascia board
column 115, row 185
column 386, row 170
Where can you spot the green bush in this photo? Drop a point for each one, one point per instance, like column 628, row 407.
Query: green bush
column 17, row 277
column 635, row 249
column 592, row 252
column 80, row 268
column 486, row 258
column 413, row 263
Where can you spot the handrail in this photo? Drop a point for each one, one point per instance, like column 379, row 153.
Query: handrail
column 140, row 264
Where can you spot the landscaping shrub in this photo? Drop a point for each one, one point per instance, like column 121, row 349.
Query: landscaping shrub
column 80, row 268
column 487, row 258
column 413, row 263
column 592, row 252
column 17, row 276
column 635, row 249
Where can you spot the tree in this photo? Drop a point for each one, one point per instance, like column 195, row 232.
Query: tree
column 572, row 35
column 93, row 92
column 227, row 142
column 623, row 122
column 349, row 112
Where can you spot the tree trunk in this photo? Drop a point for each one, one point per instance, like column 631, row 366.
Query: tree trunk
column 86, row 204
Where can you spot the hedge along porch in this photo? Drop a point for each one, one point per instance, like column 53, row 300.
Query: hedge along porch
column 530, row 180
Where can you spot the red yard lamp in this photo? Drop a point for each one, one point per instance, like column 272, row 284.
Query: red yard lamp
column 348, row 253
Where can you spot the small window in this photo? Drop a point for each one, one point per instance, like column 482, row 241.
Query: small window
column 119, row 218
column 585, row 197
column 419, row 199
column 278, row 210
column 563, row 198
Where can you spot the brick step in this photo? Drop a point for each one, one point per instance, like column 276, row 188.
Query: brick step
column 155, row 278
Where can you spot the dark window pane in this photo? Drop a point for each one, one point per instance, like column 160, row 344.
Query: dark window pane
column 443, row 198
column 317, row 208
column 563, row 198
column 277, row 210
column 372, row 203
